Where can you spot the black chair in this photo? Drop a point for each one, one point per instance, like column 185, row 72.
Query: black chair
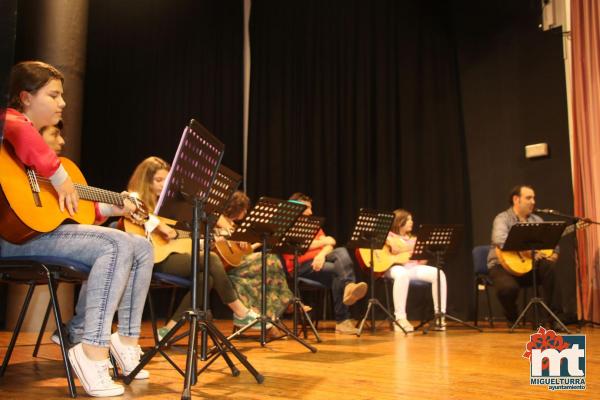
column 482, row 277
column 316, row 288
column 162, row 280
column 34, row 271
column 321, row 291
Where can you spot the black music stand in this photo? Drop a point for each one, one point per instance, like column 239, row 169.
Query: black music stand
column 225, row 184
column 533, row 236
column 266, row 223
column 296, row 241
column 371, row 230
column 190, row 181
column 438, row 241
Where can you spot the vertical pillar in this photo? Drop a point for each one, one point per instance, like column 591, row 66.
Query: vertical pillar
column 55, row 31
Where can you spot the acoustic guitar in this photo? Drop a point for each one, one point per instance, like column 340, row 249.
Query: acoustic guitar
column 383, row 259
column 163, row 248
column 230, row 252
column 519, row 263
column 29, row 203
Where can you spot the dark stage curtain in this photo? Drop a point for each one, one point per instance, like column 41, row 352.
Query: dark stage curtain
column 153, row 65
column 357, row 103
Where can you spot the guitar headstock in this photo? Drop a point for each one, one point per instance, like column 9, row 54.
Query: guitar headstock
column 140, row 215
column 582, row 223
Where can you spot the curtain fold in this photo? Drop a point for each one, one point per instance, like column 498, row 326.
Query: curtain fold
column 357, row 103
column 585, row 22
column 153, row 65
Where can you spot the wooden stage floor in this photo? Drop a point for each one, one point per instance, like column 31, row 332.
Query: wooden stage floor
column 456, row 364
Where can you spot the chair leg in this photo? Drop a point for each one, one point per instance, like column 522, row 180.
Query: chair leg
column 171, row 305
column 15, row 335
column 477, row 301
column 489, row 303
column 42, row 329
column 61, row 335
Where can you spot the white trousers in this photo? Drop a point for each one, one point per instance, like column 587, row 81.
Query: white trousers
column 402, row 277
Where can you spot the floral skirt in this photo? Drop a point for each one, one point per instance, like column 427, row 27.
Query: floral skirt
column 246, row 280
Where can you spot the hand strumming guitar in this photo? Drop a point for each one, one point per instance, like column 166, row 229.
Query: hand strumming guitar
column 166, row 231
column 541, row 256
column 67, row 196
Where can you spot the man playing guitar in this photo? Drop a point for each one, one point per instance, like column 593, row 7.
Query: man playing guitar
column 507, row 284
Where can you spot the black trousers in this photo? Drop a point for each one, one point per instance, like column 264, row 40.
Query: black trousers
column 508, row 285
column 180, row 265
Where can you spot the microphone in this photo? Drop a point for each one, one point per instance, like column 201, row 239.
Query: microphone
column 545, row 211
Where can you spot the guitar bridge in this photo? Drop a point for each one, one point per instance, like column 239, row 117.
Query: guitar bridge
column 34, row 186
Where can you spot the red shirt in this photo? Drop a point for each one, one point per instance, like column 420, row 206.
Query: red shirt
column 31, row 149
column 28, row 144
column 309, row 255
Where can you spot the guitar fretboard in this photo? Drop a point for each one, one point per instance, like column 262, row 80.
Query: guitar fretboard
column 93, row 194
column 183, row 234
column 99, row 195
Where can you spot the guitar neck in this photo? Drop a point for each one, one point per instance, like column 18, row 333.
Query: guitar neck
column 99, row 195
column 91, row 193
column 183, row 234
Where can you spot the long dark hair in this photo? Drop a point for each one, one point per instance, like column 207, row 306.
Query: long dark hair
column 29, row 76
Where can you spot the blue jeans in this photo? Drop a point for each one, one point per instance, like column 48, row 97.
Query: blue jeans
column 119, row 279
column 337, row 272
column 76, row 326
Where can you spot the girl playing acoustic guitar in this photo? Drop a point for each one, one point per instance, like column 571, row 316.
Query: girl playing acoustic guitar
column 148, row 180
column 121, row 264
column 247, row 276
column 400, row 240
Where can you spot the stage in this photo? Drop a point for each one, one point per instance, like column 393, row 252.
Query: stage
column 459, row 363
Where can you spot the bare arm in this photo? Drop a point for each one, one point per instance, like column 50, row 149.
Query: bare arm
column 319, row 259
column 321, row 242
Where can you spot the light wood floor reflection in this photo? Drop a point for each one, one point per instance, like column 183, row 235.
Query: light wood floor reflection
column 456, row 364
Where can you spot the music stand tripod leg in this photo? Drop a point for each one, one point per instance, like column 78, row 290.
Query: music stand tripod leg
column 439, row 315
column 224, row 345
column 532, row 303
column 563, row 326
column 374, row 302
column 197, row 320
column 298, row 305
column 306, row 317
column 264, row 320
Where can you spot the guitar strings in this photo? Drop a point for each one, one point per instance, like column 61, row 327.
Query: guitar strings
column 96, row 194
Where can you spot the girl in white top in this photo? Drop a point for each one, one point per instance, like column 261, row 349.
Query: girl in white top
column 400, row 240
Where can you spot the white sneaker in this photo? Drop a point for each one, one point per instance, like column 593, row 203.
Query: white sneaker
column 93, row 375
column 441, row 326
column 127, row 357
column 55, row 338
column 405, row 324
